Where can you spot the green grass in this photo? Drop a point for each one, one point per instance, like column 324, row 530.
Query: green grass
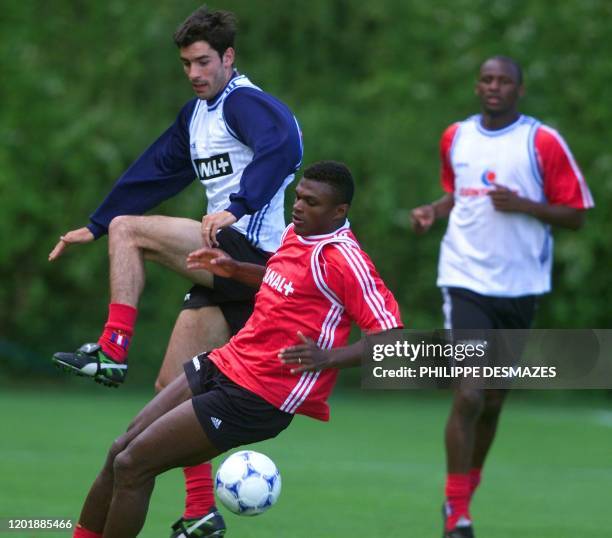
column 376, row 470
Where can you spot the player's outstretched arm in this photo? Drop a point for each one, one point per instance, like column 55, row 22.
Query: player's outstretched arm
column 307, row 356
column 220, row 263
column 74, row 237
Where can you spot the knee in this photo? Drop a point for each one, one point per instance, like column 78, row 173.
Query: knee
column 125, row 468
column 118, row 445
column 122, row 226
column 469, row 402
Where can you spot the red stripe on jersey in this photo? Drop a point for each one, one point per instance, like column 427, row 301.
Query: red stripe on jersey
column 447, row 175
column 564, row 183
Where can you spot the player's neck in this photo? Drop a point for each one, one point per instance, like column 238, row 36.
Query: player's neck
column 229, row 75
column 494, row 122
column 328, row 230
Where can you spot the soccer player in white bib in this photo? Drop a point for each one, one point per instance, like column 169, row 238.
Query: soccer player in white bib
column 284, row 361
column 508, row 178
column 244, row 146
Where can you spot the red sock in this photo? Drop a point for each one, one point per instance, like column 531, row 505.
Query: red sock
column 81, row 532
column 475, row 477
column 115, row 339
column 199, row 486
column 457, row 498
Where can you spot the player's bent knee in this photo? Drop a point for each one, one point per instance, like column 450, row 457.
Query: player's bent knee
column 116, row 448
column 125, row 468
column 121, row 227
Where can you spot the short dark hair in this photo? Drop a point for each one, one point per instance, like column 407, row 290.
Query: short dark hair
column 217, row 28
column 513, row 63
column 335, row 174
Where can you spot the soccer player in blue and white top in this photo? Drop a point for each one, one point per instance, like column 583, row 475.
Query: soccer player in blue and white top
column 244, row 145
column 507, row 178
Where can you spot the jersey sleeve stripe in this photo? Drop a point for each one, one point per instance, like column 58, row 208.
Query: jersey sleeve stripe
column 371, row 295
column 251, row 225
column 264, row 210
column 587, row 198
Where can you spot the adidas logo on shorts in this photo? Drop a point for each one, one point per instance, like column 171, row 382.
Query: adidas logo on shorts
column 196, row 363
column 216, row 422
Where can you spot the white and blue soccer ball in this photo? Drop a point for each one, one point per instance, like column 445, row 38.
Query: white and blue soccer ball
column 248, row 483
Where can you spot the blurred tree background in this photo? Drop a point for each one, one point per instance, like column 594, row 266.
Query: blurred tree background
column 86, row 86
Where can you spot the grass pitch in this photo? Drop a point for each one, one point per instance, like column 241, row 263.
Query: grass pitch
column 376, row 470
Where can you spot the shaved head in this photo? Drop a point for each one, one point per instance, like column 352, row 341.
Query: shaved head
column 516, row 67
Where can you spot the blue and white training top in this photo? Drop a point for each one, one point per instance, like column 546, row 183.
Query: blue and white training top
column 244, row 146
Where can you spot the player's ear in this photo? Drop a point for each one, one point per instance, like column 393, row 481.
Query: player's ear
column 521, row 91
column 341, row 211
column 229, row 56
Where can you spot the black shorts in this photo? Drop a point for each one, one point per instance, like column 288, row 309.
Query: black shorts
column 230, row 415
column 471, row 316
column 465, row 309
column 235, row 299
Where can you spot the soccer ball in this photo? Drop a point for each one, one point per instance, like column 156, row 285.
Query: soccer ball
column 248, row 483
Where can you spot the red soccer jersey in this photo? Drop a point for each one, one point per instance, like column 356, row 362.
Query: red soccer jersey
column 316, row 285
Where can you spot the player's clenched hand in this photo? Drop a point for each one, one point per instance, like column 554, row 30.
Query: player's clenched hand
column 81, row 235
column 505, row 199
column 214, row 260
column 306, row 356
column 214, row 222
column 421, row 218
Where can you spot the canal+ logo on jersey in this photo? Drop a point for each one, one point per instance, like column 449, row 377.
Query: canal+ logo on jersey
column 278, row 282
column 215, row 166
column 488, row 177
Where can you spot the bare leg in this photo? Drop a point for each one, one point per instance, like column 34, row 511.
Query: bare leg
column 165, row 240
column 152, row 452
column 195, row 331
column 95, row 508
column 486, row 426
column 461, row 429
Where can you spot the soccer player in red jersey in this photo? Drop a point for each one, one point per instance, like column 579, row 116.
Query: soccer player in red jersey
column 284, row 361
column 507, row 178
